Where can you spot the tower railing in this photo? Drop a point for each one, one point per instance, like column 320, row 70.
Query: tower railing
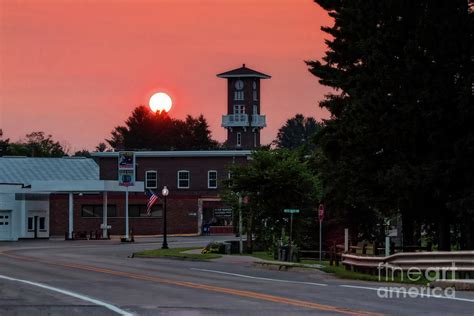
column 231, row 120
column 259, row 120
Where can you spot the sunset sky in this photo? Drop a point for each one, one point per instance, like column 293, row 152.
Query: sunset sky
column 75, row 68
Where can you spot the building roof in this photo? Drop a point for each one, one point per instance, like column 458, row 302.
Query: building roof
column 24, row 170
column 243, row 72
column 179, row 153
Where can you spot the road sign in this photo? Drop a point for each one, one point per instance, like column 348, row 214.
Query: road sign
column 126, row 168
column 291, row 211
column 321, row 212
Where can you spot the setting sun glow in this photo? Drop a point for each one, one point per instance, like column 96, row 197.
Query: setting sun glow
column 160, row 102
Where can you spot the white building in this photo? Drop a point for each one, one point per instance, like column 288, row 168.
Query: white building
column 24, row 211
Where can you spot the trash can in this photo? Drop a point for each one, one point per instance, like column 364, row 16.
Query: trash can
column 227, row 248
column 283, row 253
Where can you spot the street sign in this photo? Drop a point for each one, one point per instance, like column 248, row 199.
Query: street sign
column 126, row 178
column 126, row 168
column 126, row 160
column 291, row 211
column 321, row 212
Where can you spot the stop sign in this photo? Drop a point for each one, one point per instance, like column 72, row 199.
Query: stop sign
column 321, row 212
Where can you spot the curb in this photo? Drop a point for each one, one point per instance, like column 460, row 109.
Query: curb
column 461, row 285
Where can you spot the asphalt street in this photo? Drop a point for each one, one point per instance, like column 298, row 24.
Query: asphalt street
column 99, row 278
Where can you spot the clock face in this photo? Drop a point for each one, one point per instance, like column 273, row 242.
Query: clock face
column 239, row 84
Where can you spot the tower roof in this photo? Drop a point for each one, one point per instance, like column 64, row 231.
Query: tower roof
column 243, row 72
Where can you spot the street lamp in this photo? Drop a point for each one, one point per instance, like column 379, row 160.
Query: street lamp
column 165, row 193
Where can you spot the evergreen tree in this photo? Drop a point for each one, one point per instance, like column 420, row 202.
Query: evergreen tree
column 297, row 131
column 401, row 125
column 145, row 130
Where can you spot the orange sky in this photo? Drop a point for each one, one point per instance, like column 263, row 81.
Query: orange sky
column 76, row 68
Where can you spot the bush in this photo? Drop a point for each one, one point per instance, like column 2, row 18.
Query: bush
column 214, row 247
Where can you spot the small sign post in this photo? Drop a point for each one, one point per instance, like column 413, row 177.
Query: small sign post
column 126, row 173
column 321, row 217
column 291, row 212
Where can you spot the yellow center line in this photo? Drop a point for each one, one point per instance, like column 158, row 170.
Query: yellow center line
column 242, row 293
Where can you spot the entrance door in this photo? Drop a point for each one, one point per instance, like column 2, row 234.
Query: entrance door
column 5, row 225
column 36, row 226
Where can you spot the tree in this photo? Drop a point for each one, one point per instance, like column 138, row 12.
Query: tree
column 37, row 144
column 101, row 147
column 82, row 153
column 272, row 181
column 401, row 125
column 297, row 131
column 3, row 144
column 145, row 130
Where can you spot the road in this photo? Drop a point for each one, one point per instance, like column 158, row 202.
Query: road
column 99, row 278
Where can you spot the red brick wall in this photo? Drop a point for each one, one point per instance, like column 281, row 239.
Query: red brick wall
column 167, row 169
column 178, row 218
column 181, row 202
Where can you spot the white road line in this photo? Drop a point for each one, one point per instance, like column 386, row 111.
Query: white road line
column 69, row 293
column 387, row 289
column 258, row 278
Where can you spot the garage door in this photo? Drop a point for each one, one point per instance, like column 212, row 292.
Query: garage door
column 5, row 225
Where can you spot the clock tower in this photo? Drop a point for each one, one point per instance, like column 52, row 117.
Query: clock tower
column 243, row 120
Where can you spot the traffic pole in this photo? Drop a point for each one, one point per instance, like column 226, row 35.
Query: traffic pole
column 320, row 241
column 321, row 217
column 241, row 244
column 291, row 235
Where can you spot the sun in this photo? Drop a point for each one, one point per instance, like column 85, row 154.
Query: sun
column 160, row 102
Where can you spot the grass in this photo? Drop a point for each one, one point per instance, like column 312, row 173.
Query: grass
column 176, row 253
column 264, row 255
column 341, row 272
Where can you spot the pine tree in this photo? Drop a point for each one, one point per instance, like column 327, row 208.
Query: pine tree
column 399, row 113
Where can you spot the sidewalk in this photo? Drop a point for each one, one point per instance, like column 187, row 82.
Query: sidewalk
column 237, row 259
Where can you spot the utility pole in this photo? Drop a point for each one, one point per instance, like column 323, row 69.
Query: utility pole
column 241, row 245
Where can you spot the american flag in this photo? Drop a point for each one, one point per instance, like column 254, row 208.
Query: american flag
column 152, row 199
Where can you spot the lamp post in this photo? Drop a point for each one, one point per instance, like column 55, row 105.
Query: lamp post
column 165, row 193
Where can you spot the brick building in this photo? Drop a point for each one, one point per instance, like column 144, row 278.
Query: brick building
column 192, row 177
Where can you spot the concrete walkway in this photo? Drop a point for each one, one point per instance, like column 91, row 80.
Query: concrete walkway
column 237, row 259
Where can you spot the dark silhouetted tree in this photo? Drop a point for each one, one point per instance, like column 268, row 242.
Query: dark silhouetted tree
column 401, row 130
column 145, row 130
column 297, row 131
column 37, row 144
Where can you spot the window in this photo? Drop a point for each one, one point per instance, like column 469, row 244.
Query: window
column 42, row 223
column 255, row 97
column 140, row 210
column 97, row 210
column 239, row 139
column 239, row 109
column 30, row 224
column 183, row 179
column 212, row 179
column 151, row 180
column 255, row 109
column 238, row 95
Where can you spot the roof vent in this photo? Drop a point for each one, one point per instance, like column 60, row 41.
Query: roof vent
column 243, row 65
